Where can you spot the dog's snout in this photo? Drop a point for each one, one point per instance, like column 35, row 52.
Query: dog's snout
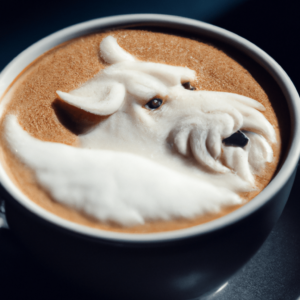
column 238, row 139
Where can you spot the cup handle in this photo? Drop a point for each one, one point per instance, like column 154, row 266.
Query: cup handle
column 3, row 222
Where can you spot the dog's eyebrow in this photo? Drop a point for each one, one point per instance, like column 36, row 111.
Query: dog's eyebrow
column 169, row 75
column 144, row 86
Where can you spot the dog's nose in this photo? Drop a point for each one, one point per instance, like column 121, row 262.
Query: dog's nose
column 238, row 139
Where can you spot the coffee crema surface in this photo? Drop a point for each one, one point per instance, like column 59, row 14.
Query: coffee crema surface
column 137, row 131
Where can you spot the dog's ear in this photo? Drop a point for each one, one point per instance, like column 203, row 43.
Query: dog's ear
column 95, row 97
column 76, row 120
column 112, row 53
column 83, row 108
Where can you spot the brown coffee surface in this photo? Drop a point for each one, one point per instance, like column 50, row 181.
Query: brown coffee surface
column 33, row 99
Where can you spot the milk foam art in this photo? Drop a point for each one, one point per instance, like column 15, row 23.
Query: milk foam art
column 159, row 153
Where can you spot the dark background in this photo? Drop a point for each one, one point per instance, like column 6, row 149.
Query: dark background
column 274, row 26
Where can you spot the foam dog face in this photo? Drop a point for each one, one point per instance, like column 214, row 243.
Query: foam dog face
column 135, row 165
column 152, row 107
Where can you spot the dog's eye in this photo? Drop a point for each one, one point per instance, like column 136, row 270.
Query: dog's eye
column 187, row 86
column 154, row 103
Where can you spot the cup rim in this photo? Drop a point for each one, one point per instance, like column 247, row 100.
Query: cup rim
column 18, row 64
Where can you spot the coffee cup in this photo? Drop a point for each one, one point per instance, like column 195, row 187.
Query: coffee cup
column 180, row 264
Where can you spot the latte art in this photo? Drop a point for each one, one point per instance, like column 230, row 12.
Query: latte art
column 161, row 124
